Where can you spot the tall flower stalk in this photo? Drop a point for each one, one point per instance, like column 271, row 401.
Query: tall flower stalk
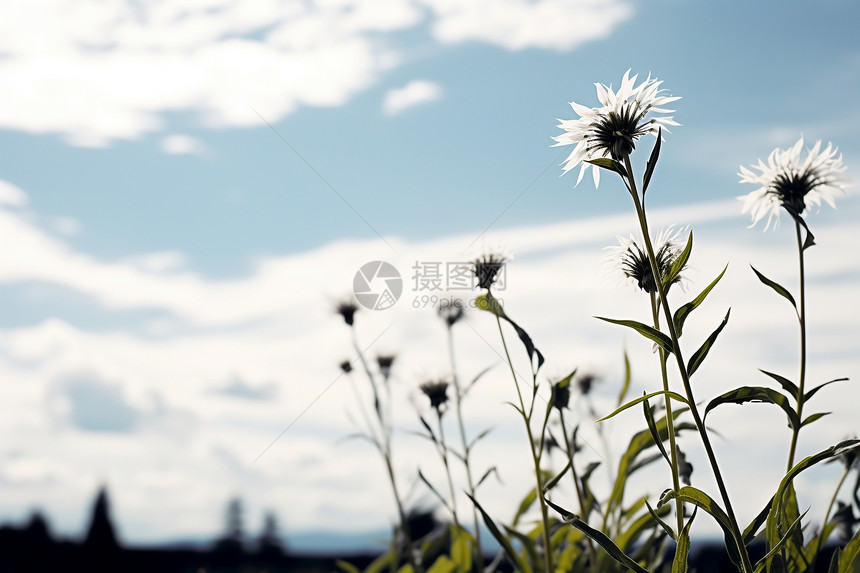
column 380, row 436
column 786, row 182
column 486, row 269
column 605, row 137
column 452, row 314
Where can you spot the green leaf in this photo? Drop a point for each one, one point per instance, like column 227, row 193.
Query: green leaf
column 489, row 303
column 525, row 504
column 849, row 559
column 346, row 566
column 610, row 164
column 758, row 521
column 626, row 384
column 551, row 483
column 503, row 541
column 699, row 498
column 660, row 522
column 678, row 264
column 652, row 161
column 774, row 517
column 461, row 552
column 613, row 550
column 815, row 390
column 755, row 394
column 635, row 401
column 781, row 290
column 787, row 385
column 814, row 417
column 683, row 312
column 652, row 427
column 433, row 489
column 682, row 549
column 648, row 332
column 776, row 548
column 528, row 545
column 699, row 356
column 443, row 564
column 487, row 473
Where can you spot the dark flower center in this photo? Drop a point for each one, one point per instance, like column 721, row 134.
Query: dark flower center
column 486, row 270
column 637, row 266
column 792, row 188
column 617, row 132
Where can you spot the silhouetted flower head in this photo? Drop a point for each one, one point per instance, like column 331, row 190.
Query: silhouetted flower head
column 685, row 468
column 346, row 366
column 347, row 310
column 786, row 181
column 631, row 257
column 384, row 361
column 585, row 383
column 437, row 392
column 561, row 394
column 451, row 311
column 844, row 519
column 549, row 443
column 487, row 268
column 613, row 129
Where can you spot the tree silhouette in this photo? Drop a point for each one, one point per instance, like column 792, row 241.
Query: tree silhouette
column 101, row 535
column 230, row 548
column 270, row 545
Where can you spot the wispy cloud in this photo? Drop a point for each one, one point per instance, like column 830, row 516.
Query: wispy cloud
column 95, row 72
column 414, row 93
column 179, row 144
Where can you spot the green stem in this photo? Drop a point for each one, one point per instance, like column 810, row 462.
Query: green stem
column 479, row 555
column 592, row 553
column 827, row 516
column 670, row 420
column 535, row 454
column 443, row 451
column 802, row 318
column 685, row 377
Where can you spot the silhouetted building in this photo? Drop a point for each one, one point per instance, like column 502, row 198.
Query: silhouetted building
column 101, row 548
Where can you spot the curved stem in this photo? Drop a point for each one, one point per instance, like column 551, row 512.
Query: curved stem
column 458, row 397
column 535, row 455
column 685, row 377
column 670, row 420
column 802, row 318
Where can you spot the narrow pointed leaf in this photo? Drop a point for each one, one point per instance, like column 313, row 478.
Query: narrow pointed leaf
column 626, row 384
column 652, row 427
column 774, row 525
column 787, row 385
column 660, row 521
column 776, row 548
column 814, row 417
column 699, row 356
column 487, row 473
column 682, row 548
column 525, row 504
column 475, row 380
column 683, row 312
column 652, row 161
column 610, row 164
column 678, row 264
column 429, row 429
column 607, row 544
column 527, row 543
column 781, row 290
column 647, row 331
column 752, row 529
column 815, row 390
column 850, row 556
column 551, row 483
column 502, row 539
column 699, row 498
column 635, row 401
column 489, row 303
column 433, row 489
column 755, row 394
column 479, row 437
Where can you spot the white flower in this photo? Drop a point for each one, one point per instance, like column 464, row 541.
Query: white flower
column 612, row 130
column 786, row 182
column 630, row 258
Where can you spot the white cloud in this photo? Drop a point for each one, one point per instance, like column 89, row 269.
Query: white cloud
column 178, row 144
column 414, row 93
column 519, row 24
column 11, row 196
column 97, row 71
column 273, row 334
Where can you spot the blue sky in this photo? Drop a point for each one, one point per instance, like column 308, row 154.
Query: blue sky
column 152, row 219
